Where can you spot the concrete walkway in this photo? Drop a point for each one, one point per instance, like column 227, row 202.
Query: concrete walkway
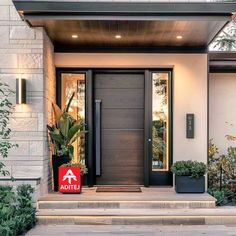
column 147, row 230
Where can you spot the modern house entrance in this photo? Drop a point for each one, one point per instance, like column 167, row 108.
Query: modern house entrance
column 131, row 118
column 137, row 69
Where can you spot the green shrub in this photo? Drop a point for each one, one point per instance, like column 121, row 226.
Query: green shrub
column 193, row 169
column 5, row 132
column 223, row 196
column 17, row 213
column 83, row 168
column 221, row 171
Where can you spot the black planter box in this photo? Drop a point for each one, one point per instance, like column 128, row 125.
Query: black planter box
column 57, row 161
column 186, row 184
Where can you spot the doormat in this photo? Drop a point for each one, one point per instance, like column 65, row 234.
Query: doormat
column 127, row 189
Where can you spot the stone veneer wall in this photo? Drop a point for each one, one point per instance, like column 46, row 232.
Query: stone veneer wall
column 28, row 53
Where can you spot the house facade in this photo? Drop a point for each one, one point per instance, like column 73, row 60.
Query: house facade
column 146, row 86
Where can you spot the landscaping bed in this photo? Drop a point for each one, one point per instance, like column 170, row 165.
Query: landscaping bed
column 17, row 213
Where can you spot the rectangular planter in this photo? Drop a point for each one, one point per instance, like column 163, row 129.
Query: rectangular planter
column 186, row 184
column 69, row 180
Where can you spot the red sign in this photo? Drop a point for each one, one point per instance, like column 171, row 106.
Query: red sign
column 69, row 180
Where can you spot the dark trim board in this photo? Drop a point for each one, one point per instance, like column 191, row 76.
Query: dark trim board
column 125, row 49
column 36, row 7
column 90, row 161
column 222, row 70
column 222, row 62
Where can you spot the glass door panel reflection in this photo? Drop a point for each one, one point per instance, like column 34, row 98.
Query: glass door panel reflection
column 160, row 121
column 75, row 83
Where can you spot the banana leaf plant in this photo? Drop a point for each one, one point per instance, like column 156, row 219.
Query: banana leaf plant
column 65, row 131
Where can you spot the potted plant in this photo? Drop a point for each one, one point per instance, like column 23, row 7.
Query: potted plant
column 63, row 134
column 189, row 176
column 70, row 177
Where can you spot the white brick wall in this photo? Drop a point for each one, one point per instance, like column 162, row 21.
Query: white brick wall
column 22, row 52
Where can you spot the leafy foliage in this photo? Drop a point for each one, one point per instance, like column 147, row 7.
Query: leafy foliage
column 6, row 107
column 221, row 173
column 65, row 131
column 17, row 214
column 222, row 168
column 226, row 41
column 193, row 169
column 223, row 196
column 158, row 144
column 83, row 168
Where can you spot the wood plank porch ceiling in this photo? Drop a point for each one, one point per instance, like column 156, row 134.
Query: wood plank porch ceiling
column 144, row 27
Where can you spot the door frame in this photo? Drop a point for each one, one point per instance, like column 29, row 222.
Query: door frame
column 89, row 111
column 148, row 128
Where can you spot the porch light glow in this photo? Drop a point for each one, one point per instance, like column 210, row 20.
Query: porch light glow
column 74, row 36
column 179, row 36
column 118, row 36
column 20, row 91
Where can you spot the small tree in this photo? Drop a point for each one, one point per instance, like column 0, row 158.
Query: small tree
column 6, row 108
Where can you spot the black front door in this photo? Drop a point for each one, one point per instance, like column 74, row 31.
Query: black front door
column 121, row 127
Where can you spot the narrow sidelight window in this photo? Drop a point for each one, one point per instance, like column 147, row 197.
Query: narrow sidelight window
column 75, row 83
column 160, row 121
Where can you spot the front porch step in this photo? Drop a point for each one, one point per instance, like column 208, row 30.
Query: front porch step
column 73, row 204
column 217, row 216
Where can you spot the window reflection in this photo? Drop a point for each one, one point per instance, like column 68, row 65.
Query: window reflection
column 71, row 83
column 160, row 121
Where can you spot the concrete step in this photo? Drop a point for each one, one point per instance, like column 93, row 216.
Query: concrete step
column 217, row 216
column 75, row 204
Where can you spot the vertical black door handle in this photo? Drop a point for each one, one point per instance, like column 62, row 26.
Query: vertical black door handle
column 98, row 136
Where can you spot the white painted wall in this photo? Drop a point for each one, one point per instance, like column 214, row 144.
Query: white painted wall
column 222, row 117
column 190, row 91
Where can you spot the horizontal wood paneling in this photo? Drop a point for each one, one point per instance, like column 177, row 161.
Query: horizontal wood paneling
column 119, row 81
column 121, row 98
column 134, row 157
column 122, row 139
column 122, row 118
column 122, row 128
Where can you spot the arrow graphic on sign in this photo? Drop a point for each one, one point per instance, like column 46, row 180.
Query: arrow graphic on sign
column 69, row 175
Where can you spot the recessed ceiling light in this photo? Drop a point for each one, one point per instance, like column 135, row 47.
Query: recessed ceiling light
column 179, row 37
column 74, row 36
column 118, row 36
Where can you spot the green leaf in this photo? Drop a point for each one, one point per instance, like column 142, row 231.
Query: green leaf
column 57, row 112
column 64, row 124
column 56, row 137
column 74, row 130
column 79, row 134
column 68, row 105
column 71, row 151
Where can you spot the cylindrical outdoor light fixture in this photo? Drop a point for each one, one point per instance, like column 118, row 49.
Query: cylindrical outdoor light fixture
column 20, row 91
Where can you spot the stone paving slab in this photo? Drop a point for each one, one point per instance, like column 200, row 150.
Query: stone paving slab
column 115, row 230
column 147, row 194
column 219, row 211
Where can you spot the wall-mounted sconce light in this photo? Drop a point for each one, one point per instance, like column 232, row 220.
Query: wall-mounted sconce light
column 20, row 91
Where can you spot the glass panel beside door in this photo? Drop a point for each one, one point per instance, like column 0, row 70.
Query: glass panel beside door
column 160, row 153
column 75, row 83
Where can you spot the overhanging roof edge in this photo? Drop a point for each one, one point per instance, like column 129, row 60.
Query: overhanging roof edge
column 132, row 8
